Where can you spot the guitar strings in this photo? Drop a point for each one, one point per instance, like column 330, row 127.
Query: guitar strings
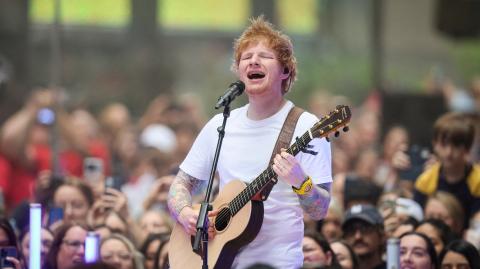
column 235, row 205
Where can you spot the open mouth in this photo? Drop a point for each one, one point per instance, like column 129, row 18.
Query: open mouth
column 255, row 75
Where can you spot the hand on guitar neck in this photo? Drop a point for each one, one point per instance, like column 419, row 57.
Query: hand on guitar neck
column 288, row 168
column 188, row 219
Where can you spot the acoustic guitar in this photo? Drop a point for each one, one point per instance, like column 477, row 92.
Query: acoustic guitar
column 240, row 217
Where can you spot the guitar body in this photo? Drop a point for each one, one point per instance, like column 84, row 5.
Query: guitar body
column 232, row 233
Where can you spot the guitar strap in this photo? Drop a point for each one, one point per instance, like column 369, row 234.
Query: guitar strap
column 283, row 141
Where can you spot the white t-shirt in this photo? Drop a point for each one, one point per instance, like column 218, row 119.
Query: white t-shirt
column 246, row 150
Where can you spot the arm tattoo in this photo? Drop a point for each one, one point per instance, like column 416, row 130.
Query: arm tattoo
column 316, row 202
column 181, row 190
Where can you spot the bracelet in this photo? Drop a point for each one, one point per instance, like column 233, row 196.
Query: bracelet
column 305, row 187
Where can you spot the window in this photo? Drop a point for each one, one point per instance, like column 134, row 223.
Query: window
column 203, row 14
column 298, row 16
column 82, row 12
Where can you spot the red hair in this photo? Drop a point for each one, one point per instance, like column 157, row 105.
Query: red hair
column 261, row 30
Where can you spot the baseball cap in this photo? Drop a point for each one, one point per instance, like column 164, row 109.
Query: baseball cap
column 159, row 136
column 367, row 213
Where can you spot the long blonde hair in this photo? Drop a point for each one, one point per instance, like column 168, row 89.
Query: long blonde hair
column 453, row 206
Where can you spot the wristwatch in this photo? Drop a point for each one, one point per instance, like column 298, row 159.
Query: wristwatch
column 305, row 187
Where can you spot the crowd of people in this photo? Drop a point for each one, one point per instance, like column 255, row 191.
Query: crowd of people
column 106, row 174
column 111, row 173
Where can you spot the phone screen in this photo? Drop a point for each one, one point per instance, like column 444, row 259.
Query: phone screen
column 46, row 116
column 93, row 169
column 7, row 252
column 113, row 182
column 55, row 214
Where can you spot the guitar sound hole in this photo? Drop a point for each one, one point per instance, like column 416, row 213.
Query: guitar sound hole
column 222, row 219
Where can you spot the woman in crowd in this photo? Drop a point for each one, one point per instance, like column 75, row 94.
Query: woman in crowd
column 154, row 222
column 460, row 254
column 317, row 251
column 345, row 255
column 443, row 205
column 417, row 252
column 9, row 239
column 46, row 244
column 120, row 252
column 330, row 226
column 68, row 247
column 76, row 198
column 437, row 231
column 150, row 246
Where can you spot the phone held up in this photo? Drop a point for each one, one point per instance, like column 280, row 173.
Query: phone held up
column 418, row 155
column 113, row 183
column 46, row 116
column 93, row 169
column 7, row 252
column 54, row 214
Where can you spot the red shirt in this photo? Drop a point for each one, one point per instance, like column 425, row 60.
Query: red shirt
column 5, row 174
column 17, row 181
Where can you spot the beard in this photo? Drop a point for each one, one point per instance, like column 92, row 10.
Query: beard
column 362, row 249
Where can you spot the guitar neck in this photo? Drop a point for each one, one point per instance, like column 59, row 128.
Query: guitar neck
column 266, row 176
column 338, row 118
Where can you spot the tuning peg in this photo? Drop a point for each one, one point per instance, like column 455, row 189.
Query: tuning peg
column 346, row 128
column 337, row 134
column 327, row 138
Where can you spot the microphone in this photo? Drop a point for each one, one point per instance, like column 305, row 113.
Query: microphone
column 235, row 89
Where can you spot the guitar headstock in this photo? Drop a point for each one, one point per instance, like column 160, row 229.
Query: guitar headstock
column 336, row 119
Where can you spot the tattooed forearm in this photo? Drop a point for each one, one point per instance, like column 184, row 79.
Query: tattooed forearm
column 181, row 190
column 316, row 202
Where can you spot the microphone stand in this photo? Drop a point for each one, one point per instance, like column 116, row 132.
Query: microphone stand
column 202, row 221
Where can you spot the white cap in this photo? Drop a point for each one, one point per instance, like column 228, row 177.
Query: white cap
column 160, row 137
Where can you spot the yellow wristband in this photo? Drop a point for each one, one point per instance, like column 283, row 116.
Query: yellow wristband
column 305, row 187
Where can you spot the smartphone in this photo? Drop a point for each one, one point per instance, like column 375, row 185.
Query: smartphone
column 93, row 169
column 55, row 214
column 7, row 252
column 388, row 205
column 113, row 182
column 418, row 156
